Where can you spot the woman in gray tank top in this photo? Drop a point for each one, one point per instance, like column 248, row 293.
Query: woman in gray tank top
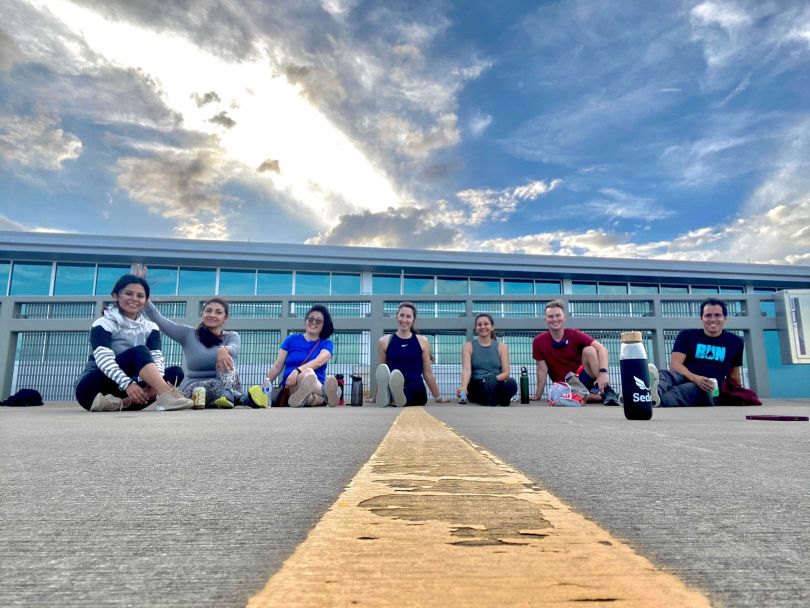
column 485, row 367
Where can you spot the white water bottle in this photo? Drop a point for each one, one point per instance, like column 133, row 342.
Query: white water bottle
column 267, row 388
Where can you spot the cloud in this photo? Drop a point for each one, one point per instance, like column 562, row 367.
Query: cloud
column 498, row 205
column 9, row 53
column 9, row 224
column 201, row 100
column 621, row 205
column 184, row 186
column 405, row 227
column 269, row 165
column 479, row 123
column 415, row 143
column 36, row 142
column 222, row 119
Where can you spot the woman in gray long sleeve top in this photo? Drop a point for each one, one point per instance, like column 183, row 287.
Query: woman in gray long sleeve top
column 210, row 353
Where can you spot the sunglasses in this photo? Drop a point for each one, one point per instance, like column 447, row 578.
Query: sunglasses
column 314, row 320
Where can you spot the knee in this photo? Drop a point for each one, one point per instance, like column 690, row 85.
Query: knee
column 589, row 353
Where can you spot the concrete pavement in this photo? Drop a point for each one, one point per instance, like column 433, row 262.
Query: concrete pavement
column 200, row 508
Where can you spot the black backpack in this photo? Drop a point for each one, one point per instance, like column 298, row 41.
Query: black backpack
column 23, row 398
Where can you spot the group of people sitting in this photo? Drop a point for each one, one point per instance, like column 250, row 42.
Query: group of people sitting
column 126, row 368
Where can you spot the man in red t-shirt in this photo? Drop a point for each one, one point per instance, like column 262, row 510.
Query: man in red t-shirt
column 561, row 350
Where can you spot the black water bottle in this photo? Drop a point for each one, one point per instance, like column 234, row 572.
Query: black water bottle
column 635, row 378
column 357, row 391
column 524, row 385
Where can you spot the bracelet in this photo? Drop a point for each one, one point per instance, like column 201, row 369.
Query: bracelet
column 603, row 370
column 298, row 369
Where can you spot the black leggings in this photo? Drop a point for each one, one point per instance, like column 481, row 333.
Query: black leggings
column 415, row 392
column 132, row 361
column 499, row 393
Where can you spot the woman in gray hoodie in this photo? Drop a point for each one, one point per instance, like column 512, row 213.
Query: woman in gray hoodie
column 126, row 369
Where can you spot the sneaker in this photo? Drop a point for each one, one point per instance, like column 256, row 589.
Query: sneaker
column 223, row 403
column 107, row 403
column 172, row 400
column 383, row 376
column 330, row 391
column 610, row 396
column 397, row 385
column 257, row 396
column 656, row 398
column 306, row 386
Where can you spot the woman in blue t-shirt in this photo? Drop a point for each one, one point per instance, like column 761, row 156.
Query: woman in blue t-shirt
column 301, row 362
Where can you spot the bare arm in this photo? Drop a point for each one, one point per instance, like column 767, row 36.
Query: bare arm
column 542, row 376
column 278, row 365
column 602, row 378
column 503, row 351
column 466, row 367
column 677, row 364
column 735, row 374
column 427, row 371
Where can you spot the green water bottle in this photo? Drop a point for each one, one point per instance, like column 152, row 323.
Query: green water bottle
column 524, row 385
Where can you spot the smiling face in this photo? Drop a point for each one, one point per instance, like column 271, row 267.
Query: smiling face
column 555, row 318
column 314, row 323
column 131, row 299
column 713, row 320
column 484, row 327
column 405, row 318
column 213, row 317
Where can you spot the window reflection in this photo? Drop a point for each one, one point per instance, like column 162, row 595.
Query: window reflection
column 311, row 283
column 194, row 282
column 385, row 284
column 106, row 276
column 237, row 282
column 418, row 285
column 456, row 287
column 162, row 281
column 4, row 270
column 274, row 283
column 74, row 280
column 345, row 284
column 30, row 279
column 485, row 287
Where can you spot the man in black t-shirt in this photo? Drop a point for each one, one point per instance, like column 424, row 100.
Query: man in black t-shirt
column 698, row 356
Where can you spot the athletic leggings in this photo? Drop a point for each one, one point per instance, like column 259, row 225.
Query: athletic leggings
column 493, row 393
column 93, row 381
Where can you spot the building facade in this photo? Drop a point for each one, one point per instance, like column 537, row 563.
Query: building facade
column 52, row 286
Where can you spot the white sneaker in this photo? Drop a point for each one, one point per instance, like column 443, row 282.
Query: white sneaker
column 107, row 403
column 397, row 386
column 330, row 389
column 383, row 376
column 306, row 386
column 656, row 398
column 173, row 400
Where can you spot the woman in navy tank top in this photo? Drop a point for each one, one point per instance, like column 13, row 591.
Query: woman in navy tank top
column 405, row 357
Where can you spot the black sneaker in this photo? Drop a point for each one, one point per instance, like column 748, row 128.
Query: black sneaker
column 610, row 397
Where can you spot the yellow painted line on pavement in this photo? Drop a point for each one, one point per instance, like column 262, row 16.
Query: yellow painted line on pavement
column 433, row 520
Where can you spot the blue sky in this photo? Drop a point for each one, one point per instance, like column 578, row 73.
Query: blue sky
column 673, row 130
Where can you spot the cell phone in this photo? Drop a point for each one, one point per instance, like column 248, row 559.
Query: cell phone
column 774, row 417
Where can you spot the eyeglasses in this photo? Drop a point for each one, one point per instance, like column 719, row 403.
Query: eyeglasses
column 314, row 320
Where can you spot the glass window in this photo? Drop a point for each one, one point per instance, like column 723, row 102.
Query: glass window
column 704, row 289
column 764, row 289
column 274, row 283
column 237, row 282
column 162, row 281
column 197, row 282
column 613, row 288
column 768, row 309
column 674, row 289
column 488, row 287
column 583, row 288
column 312, row 283
column 4, row 268
column 456, row 287
column 106, row 276
column 635, row 288
column 731, row 289
column 418, row 285
column 345, row 284
column 547, row 287
column 74, row 280
column 518, row 288
column 30, row 279
column 385, row 284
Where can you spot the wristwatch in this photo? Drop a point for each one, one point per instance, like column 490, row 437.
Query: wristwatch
column 603, row 370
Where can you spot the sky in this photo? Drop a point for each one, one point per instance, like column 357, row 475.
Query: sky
column 648, row 129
